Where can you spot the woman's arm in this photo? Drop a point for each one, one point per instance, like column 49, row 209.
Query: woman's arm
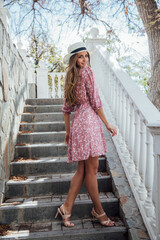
column 67, row 125
column 102, row 116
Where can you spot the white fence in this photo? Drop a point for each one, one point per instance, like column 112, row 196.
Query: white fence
column 138, row 139
column 56, row 84
column 49, row 85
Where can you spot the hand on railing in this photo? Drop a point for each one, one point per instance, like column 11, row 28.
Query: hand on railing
column 112, row 129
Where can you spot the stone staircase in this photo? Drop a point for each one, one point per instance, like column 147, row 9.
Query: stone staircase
column 40, row 179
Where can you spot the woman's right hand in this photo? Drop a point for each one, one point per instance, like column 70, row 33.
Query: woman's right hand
column 67, row 138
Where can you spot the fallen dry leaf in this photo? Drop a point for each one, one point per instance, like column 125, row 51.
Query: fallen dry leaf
column 24, row 159
column 18, row 178
column 5, row 230
column 24, row 131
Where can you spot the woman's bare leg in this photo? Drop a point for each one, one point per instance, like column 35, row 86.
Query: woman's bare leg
column 91, row 168
column 75, row 187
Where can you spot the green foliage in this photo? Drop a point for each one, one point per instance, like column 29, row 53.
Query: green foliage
column 137, row 66
column 138, row 70
column 41, row 49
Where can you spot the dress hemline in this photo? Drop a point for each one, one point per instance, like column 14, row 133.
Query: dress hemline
column 90, row 155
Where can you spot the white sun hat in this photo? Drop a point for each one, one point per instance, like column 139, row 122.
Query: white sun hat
column 73, row 49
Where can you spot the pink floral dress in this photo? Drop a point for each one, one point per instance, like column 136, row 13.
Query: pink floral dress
column 86, row 131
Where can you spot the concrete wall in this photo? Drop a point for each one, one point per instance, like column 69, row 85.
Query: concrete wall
column 13, row 92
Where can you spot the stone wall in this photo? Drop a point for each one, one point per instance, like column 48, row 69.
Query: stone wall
column 13, row 92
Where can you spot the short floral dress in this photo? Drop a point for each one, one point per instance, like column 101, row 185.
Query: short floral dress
column 86, row 131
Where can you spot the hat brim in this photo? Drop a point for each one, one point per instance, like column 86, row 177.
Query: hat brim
column 67, row 56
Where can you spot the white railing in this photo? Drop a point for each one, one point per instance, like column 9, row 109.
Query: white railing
column 49, row 85
column 138, row 139
column 56, row 86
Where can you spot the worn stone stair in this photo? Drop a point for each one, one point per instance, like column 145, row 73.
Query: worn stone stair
column 40, row 179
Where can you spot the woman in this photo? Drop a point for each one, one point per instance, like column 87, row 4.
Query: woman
column 85, row 138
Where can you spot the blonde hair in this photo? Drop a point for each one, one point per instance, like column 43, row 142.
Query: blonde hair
column 71, row 80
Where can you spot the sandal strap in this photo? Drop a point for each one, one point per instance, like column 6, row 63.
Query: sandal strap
column 106, row 221
column 64, row 216
column 100, row 215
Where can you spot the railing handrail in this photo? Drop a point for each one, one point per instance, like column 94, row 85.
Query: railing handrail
column 149, row 112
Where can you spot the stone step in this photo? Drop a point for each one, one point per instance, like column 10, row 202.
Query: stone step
column 43, row 117
column 47, row 166
column 42, row 108
column 49, row 101
column 44, row 209
column 41, row 150
column 42, row 126
column 50, row 184
column 41, row 137
column 84, row 229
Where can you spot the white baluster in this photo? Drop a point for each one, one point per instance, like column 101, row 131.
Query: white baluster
column 53, row 85
column 127, row 131
column 123, row 121
column 119, row 106
column 136, row 177
column 114, row 96
column 109, row 88
column 131, row 165
column 116, row 99
column 155, row 218
column 106, row 84
column 132, row 127
column 112, row 91
column 142, row 161
column 149, row 175
column 59, row 85
column 127, row 135
column 123, row 114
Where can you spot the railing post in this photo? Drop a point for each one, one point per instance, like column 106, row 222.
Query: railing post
column 156, row 181
column 93, row 41
column 42, row 81
column 31, row 75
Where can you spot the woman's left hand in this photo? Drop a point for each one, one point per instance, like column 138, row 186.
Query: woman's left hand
column 112, row 129
column 67, row 138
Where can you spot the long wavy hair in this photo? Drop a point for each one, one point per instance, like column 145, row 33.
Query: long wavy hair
column 71, row 80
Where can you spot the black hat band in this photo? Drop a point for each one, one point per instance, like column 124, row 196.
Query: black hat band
column 79, row 49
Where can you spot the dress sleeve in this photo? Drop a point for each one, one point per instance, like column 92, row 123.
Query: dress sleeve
column 92, row 89
column 66, row 109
